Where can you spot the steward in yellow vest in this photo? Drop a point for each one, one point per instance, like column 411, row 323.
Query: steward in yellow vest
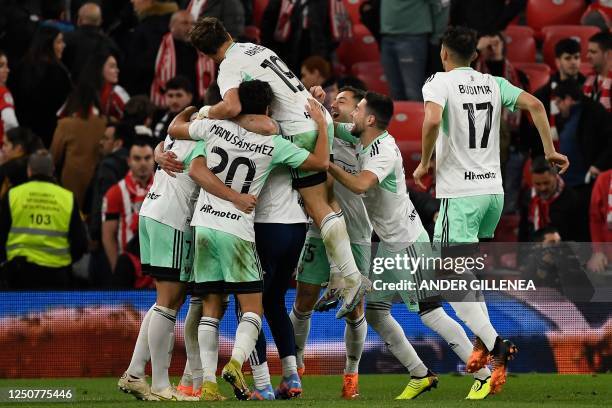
column 41, row 231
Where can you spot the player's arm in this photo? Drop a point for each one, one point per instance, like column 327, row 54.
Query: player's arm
column 179, row 127
column 318, row 160
column 534, row 106
column 431, row 127
column 228, row 108
column 260, row 124
column 201, row 174
column 167, row 160
column 342, row 131
column 109, row 241
column 358, row 184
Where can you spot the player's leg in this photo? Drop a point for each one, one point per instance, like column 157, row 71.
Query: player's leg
column 191, row 381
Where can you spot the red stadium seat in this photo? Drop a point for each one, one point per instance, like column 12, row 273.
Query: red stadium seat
column 407, row 121
column 362, row 47
column 352, row 6
column 411, row 155
column 520, row 44
column 373, row 75
column 552, row 35
column 538, row 74
column 259, row 7
column 541, row 13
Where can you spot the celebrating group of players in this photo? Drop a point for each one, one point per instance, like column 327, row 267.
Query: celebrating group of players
column 227, row 215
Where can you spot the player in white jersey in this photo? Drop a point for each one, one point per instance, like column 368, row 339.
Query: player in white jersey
column 245, row 61
column 225, row 259
column 462, row 119
column 314, row 267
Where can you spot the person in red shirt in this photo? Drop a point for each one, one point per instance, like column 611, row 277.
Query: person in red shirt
column 597, row 85
column 8, row 120
column 122, row 202
column 600, row 221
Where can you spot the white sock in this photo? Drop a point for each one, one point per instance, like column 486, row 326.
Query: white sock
column 289, row 366
column 451, row 331
column 141, row 354
column 192, row 348
column 355, row 332
column 378, row 315
column 472, row 315
column 483, row 306
column 338, row 246
column 261, row 375
column 208, row 338
column 161, row 342
column 246, row 336
column 301, row 328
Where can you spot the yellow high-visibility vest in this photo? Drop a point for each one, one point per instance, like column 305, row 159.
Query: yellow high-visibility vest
column 40, row 214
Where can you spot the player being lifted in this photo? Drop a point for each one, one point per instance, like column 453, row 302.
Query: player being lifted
column 245, row 61
column 462, row 119
column 225, row 259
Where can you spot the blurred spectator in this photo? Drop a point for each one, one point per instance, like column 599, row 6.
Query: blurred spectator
column 176, row 56
column 598, row 14
column 597, row 85
column 55, row 14
column 19, row 143
column 407, row 28
column 8, row 119
column 18, row 23
column 144, row 39
column 485, row 15
column 88, row 38
column 230, row 12
column 41, row 83
column 41, row 231
column 552, row 203
column 76, row 139
column 139, row 113
column 317, row 72
column 601, row 222
column 179, row 95
column 122, row 201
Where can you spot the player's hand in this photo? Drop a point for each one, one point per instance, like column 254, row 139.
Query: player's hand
column 420, row 172
column 559, row 160
column 318, row 93
column 598, row 262
column 168, row 163
column 315, row 110
column 245, row 203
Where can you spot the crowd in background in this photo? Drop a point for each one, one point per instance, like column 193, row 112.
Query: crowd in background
column 96, row 83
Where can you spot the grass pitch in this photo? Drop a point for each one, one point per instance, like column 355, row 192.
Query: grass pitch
column 524, row 390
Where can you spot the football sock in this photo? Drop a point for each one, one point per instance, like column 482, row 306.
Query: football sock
column 471, row 313
column 161, row 342
column 301, row 328
column 141, row 354
column 338, row 246
column 355, row 332
column 261, row 375
column 246, row 336
column 289, row 366
column 192, row 348
column 208, row 338
column 451, row 331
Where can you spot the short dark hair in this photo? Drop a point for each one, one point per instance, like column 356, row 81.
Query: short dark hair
column 141, row 141
column 208, row 34
column 540, row 165
column 255, row 96
column 138, row 109
column 603, row 39
column 381, row 106
column 179, row 82
column 213, row 94
column 462, row 41
column 123, row 131
column 24, row 137
column 569, row 87
column 40, row 163
column 540, row 234
column 567, row 46
column 358, row 94
column 350, row 80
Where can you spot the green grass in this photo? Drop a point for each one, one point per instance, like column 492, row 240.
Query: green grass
column 524, row 390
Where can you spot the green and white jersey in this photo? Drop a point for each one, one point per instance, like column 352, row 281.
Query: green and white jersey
column 279, row 202
column 391, row 212
column 242, row 160
column 467, row 149
column 171, row 200
column 247, row 61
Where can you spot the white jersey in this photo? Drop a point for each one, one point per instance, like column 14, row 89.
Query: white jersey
column 391, row 212
column 279, row 202
column 242, row 160
column 467, row 149
column 171, row 200
column 358, row 224
column 247, row 61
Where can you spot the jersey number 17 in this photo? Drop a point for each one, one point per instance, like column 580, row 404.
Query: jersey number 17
column 469, row 107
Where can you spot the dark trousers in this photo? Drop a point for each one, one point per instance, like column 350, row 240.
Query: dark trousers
column 20, row 274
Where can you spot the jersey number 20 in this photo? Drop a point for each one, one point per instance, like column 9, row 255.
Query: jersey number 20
column 231, row 173
column 469, row 107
